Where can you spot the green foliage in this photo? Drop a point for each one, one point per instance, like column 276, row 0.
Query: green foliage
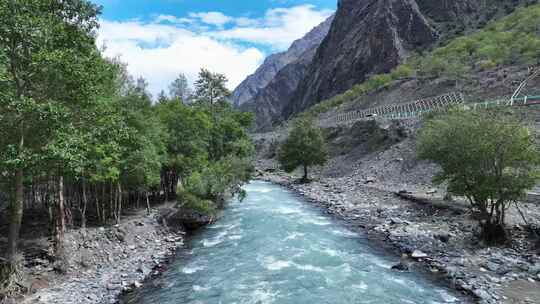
column 179, row 88
column 190, row 201
column 374, row 83
column 219, row 177
column 488, row 157
column 71, row 117
column 207, row 143
column 211, row 88
column 304, row 147
column 188, row 134
column 511, row 40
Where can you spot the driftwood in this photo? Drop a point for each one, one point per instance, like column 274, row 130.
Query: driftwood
column 436, row 202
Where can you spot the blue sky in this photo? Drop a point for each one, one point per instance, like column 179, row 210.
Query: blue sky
column 119, row 10
column 160, row 39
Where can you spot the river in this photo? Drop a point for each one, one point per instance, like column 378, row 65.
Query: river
column 275, row 248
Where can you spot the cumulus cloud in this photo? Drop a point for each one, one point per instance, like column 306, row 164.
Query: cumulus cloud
column 212, row 18
column 279, row 27
column 161, row 49
column 182, row 52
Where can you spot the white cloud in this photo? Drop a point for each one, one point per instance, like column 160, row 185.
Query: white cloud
column 279, row 28
column 172, row 19
column 184, row 52
column 212, row 18
column 169, row 45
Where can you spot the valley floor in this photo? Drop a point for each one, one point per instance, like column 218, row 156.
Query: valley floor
column 438, row 237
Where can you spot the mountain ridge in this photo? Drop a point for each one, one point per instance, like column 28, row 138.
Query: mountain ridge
column 257, row 81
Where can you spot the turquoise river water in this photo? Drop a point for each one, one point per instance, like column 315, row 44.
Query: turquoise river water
column 275, row 248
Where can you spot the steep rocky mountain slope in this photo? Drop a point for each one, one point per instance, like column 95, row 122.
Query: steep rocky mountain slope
column 254, row 83
column 269, row 103
column 373, row 37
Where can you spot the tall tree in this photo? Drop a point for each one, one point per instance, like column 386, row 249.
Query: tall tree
column 141, row 87
column 49, row 56
column 179, row 89
column 188, row 130
column 211, row 88
column 304, row 147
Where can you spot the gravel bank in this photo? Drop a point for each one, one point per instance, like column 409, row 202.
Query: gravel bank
column 104, row 262
column 437, row 236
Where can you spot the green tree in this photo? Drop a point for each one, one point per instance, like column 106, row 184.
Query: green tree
column 488, row 157
column 49, row 54
column 304, row 147
column 211, row 88
column 188, row 133
column 179, row 88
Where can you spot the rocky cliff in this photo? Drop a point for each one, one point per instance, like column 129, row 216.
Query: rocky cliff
column 254, row 83
column 373, row 36
column 269, row 103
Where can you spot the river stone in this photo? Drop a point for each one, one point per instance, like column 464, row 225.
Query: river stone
column 401, row 267
column 417, row 254
column 443, row 237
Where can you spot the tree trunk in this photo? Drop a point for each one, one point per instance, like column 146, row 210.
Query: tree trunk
column 85, row 204
column 16, row 213
column 60, row 227
column 147, row 203
column 112, row 202
column 118, row 203
column 96, row 199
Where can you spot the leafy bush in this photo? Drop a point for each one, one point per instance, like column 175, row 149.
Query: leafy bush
column 190, row 201
column 402, row 71
column 219, row 177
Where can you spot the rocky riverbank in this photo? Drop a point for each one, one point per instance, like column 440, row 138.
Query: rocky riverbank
column 104, row 262
column 432, row 235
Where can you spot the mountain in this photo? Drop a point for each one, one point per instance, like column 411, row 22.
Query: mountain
column 269, row 103
column 254, row 83
column 374, row 36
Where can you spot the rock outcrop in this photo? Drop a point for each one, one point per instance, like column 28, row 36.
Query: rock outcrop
column 253, row 84
column 185, row 218
column 269, row 103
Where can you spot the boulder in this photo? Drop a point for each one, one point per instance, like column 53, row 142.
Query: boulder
column 183, row 218
column 417, row 254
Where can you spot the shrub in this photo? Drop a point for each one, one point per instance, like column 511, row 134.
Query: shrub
column 402, row 71
column 190, row 201
column 487, row 157
column 214, row 180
